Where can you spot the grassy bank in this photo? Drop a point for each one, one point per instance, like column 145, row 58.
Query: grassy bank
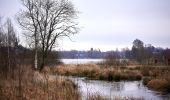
column 30, row 85
column 93, row 71
column 156, row 77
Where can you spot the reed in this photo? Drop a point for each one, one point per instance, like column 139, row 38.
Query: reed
column 96, row 97
column 100, row 97
column 93, row 71
column 156, row 77
column 37, row 86
column 159, row 85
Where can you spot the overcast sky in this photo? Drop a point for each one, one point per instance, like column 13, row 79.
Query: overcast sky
column 111, row 24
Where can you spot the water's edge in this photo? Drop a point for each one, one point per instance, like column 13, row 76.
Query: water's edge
column 117, row 89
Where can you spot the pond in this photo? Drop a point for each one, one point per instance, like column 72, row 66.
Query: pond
column 117, row 89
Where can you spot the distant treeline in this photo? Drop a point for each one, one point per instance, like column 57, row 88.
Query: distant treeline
column 139, row 52
column 124, row 54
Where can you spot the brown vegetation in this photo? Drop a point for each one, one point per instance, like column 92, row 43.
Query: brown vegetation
column 159, row 84
column 99, row 97
column 28, row 84
column 31, row 85
column 157, row 78
column 93, row 71
column 127, row 98
column 154, row 77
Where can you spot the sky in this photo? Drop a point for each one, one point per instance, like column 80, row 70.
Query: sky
column 111, row 24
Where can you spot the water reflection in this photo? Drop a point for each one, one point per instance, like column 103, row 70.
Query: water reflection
column 81, row 61
column 116, row 89
column 117, row 86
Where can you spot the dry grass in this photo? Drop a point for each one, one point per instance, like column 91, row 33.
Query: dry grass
column 156, row 77
column 159, row 84
column 128, row 98
column 30, row 85
column 37, row 86
column 93, row 71
column 99, row 97
column 96, row 97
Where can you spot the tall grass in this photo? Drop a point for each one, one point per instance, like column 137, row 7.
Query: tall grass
column 31, row 85
column 156, row 77
column 159, row 84
column 93, row 71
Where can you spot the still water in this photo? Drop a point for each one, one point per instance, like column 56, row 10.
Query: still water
column 113, row 89
column 81, row 61
column 117, row 89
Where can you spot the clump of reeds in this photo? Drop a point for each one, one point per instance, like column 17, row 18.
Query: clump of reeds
column 156, row 77
column 128, row 98
column 100, row 97
column 159, row 84
column 93, row 71
column 117, row 75
column 96, row 97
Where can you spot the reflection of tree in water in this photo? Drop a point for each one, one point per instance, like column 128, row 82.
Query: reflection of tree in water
column 117, row 86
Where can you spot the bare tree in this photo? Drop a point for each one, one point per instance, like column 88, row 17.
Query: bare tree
column 45, row 21
column 8, row 44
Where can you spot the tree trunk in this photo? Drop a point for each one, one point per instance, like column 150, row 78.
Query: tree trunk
column 35, row 59
column 44, row 57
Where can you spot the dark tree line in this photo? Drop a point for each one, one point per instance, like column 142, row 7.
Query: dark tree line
column 8, row 45
column 147, row 54
column 75, row 54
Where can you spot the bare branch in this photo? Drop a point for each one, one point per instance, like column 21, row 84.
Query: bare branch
column 47, row 20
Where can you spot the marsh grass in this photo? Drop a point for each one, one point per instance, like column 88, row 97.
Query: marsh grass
column 128, row 98
column 96, row 97
column 156, row 77
column 159, row 85
column 41, row 87
column 93, row 71
column 99, row 97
